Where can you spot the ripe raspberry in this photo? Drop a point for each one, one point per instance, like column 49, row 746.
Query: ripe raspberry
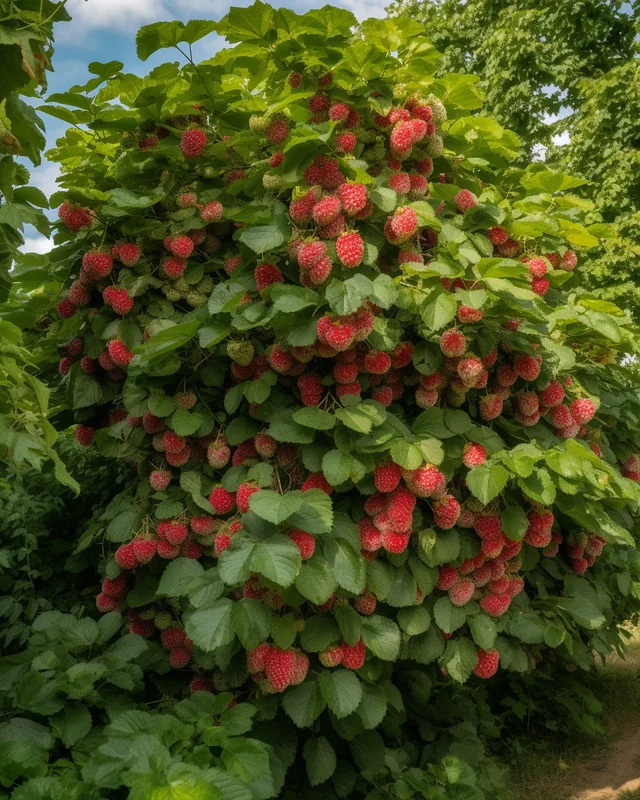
column 301, row 668
column 446, row 512
column 453, row 343
column 144, row 549
column 582, row 410
column 106, row 603
column 326, row 210
column 560, row 416
column 490, row 407
column 179, row 657
column 460, row 593
column 167, row 550
column 160, row 479
column 568, row 262
column 353, row 197
column 66, row 308
column 266, row 275
column 470, row 369
column 345, row 373
column 129, row 254
column 473, row 455
column 305, row 541
column 540, row 286
column 175, row 533
column 119, row 353
column 193, row 143
column 336, row 333
column 402, row 138
column 537, row 267
column 84, row 435
column 350, row 249
column 222, row 501
column 115, row 588
column 426, row 481
column 97, row 264
column 527, row 403
column 65, row 364
column 377, row 362
column 79, row 295
column 151, row 423
column 400, row 182
column 118, row 299
column 353, row 656
column 277, row 131
column 495, row 604
column 402, row 225
column 125, row 558
column 487, row 664
column 181, row 246
column 426, row 398
column 526, row 367
column 310, row 253
column 365, row 603
column 553, row 395
column 465, row 200
column 386, row 477
column 448, row 577
column 316, row 480
column 172, row 442
column 279, row 667
column 346, row 142
column 245, row 490
column 331, row 656
column 497, row 235
column 466, row 314
column 488, row 527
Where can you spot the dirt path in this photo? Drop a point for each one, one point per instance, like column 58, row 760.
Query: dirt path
column 616, row 773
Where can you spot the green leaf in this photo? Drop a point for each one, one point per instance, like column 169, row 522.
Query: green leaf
column 337, row 467
column 72, row 723
column 345, row 297
column 151, row 38
column 483, row 630
column 414, row 621
column 459, row 658
column 313, row 417
column 439, row 311
column 405, row 454
column 251, row 622
column 486, row 483
column 185, row 423
column 320, row 759
column 447, row 616
column 316, row 581
column 304, row 703
column 178, row 577
column 277, row 559
column 210, row 627
column 382, row 636
column 86, row 391
column 319, row 632
column 373, row 706
column 275, row 507
column 315, row 515
column 514, row 522
column 247, row 759
column 262, row 238
column 341, row 690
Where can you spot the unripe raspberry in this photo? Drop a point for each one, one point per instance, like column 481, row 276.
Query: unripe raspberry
column 160, row 479
column 331, row 656
column 470, row 369
column 465, row 200
column 193, row 143
column 490, row 407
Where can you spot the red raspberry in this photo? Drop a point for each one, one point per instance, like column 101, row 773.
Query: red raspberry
column 119, row 353
column 319, row 272
column 116, row 587
column 84, row 435
column 488, row 527
column 175, row 533
column 400, row 182
column 402, row 138
column 319, row 103
column 448, row 577
column 582, row 410
column 129, row 254
column 370, row 536
column 465, row 200
column 365, row 603
column 426, row 398
column 212, row 212
column 453, row 343
column 279, row 667
column 336, row 333
column 316, row 480
column 201, row 684
column 350, row 249
column 66, row 308
column 527, row 403
column 277, row 131
column 506, row 375
column 402, row 225
column 339, row 112
column 426, row 481
column 173, row 443
column 179, row 657
column 400, row 505
column 345, row 373
column 170, row 638
column 490, row 406
column 526, row 367
column 386, row 477
column 105, row 603
column 181, row 246
column 144, row 549
column 553, row 395
column 160, row 479
column 537, row 267
column 326, row 210
column 568, row 261
column 353, row 656
column 402, row 354
column 125, row 558
column 193, row 143
column 245, row 490
column 487, row 663
column 151, row 423
column 348, row 389
column 65, row 364
column 377, row 362
column 470, row 369
column 509, row 249
column 167, row 550
column 540, row 286
column 446, row 512
column 460, row 593
column 346, row 142
column 516, row 585
column 79, row 295
column 266, row 275
column 495, row 604
column 498, row 235
column 280, row 359
column 473, row 455
column 97, row 264
column 222, row 501
column 310, row 253
column 353, row 197
column 466, row 314
column 305, row 541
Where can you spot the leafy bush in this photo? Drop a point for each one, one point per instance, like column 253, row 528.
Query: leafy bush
column 383, row 444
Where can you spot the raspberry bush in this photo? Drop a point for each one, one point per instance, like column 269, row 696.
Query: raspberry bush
column 380, row 438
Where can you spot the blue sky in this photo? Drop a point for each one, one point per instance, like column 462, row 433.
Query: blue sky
column 105, row 30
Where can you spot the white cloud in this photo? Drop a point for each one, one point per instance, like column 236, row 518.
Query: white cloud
column 123, row 15
column 562, row 138
column 36, row 244
column 44, row 177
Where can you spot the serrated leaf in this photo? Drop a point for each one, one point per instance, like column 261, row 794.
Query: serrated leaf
column 320, row 759
column 341, row 690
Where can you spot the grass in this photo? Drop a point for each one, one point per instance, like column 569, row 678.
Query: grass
column 548, row 768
